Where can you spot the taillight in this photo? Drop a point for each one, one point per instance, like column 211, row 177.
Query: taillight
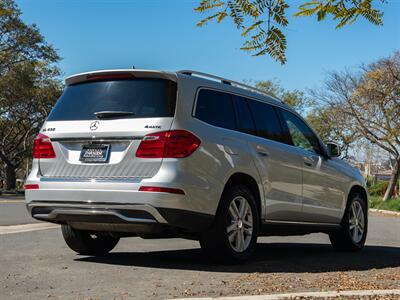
column 42, row 147
column 31, row 186
column 168, row 144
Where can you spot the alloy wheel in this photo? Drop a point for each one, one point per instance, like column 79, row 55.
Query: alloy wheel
column 240, row 224
column 356, row 222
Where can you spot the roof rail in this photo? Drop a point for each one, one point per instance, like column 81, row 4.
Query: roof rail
column 227, row 81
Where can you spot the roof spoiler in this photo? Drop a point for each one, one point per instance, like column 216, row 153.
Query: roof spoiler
column 120, row 73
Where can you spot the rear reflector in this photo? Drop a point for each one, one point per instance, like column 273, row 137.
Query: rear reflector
column 161, row 190
column 42, row 147
column 168, row 144
column 31, row 186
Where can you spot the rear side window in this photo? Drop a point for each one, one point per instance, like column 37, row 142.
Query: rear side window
column 266, row 120
column 145, row 98
column 215, row 108
column 245, row 119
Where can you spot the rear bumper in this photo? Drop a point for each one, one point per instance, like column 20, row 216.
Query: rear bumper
column 137, row 218
column 118, row 202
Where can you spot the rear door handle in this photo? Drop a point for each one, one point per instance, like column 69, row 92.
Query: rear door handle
column 262, row 153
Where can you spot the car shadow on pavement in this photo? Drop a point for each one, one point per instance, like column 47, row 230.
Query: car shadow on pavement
column 268, row 257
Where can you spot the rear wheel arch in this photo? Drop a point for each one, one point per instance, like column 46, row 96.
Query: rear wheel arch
column 221, row 241
column 248, row 181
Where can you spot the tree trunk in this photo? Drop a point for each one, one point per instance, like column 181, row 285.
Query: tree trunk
column 11, row 178
column 393, row 181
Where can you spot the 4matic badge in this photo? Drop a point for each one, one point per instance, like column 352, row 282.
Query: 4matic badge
column 153, row 126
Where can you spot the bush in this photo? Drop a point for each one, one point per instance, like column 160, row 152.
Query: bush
column 370, row 181
column 376, row 202
column 378, row 189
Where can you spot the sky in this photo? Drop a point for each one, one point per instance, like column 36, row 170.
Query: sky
column 162, row 34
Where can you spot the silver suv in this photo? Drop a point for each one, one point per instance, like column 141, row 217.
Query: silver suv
column 186, row 154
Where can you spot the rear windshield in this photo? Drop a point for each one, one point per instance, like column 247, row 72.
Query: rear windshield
column 144, row 98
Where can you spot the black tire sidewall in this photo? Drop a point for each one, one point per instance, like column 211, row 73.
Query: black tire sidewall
column 217, row 240
column 81, row 241
column 342, row 239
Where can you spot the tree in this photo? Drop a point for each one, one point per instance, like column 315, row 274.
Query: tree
column 27, row 93
column 20, row 42
column 323, row 120
column 295, row 98
column 262, row 21
column 326, row 122
column 369, row 105
column 29, row 86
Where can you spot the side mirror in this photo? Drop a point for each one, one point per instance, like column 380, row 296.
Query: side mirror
column 333, row 149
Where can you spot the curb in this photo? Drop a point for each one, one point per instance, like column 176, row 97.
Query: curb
column 310, row 295
column 386, row 212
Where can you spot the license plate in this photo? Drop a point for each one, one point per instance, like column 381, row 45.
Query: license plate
column 95, row 153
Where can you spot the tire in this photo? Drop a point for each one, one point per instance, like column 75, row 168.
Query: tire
column 353, row 232
column 87, row 242
column 222, row 242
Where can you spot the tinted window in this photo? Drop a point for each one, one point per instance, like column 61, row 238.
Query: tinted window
column 145, row 98
column 216, row 108
column 266, row 119
column 245, row 120
column 301, row 134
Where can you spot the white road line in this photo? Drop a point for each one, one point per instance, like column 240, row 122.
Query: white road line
column 12, row 201
column 309, row 294
column 26, row 228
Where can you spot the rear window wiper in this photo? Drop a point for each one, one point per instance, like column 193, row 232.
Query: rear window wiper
column 112, row 114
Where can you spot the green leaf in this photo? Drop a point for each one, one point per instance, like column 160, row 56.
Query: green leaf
column 208, row 19
column 208, row 4
column 252, row 27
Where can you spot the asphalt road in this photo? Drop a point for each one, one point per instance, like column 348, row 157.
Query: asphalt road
column 38, row 265
column 14, row 212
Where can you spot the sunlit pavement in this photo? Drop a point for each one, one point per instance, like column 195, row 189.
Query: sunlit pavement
column 37, row 265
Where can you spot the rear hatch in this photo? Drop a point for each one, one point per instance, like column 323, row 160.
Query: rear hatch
column 98, row 123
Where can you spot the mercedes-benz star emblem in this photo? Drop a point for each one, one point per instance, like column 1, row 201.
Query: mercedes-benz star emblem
column 94, row 125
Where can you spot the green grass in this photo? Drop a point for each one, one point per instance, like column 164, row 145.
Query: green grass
column 376, row 202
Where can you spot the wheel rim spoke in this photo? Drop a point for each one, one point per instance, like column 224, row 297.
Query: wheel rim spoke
column 359, row 211
column 233, row 211
column 248, row 223
column 242, row 238
column 238, row 241
column 248, row 231
column 355, row 234
column 361, row 223
column 232, row 236
column 231, row 227
column 353, row 211
column 242, row 208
